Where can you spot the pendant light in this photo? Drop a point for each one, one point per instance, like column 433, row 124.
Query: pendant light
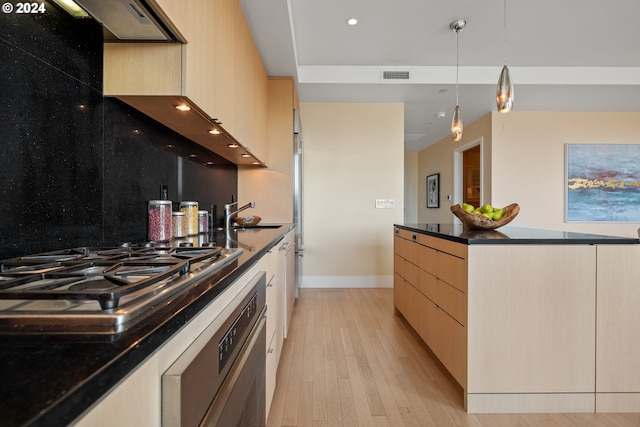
column 504, row 90
column 456, row 121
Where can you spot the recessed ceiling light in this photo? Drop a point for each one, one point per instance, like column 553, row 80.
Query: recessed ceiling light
column 193, row 156
column 183, row 107
column 233, row 145
column 214, row 132
column 352, row 21
column 246, row 155
column 441, row 115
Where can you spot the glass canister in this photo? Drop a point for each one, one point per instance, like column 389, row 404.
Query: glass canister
column 191, row 209
column 203, row 222
column 179, row 224
column 159, row 214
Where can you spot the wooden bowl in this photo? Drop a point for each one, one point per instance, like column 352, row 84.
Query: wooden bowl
column 249, row 221
column 473, row 221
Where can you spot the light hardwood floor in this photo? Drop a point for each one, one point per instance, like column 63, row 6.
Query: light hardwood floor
column 350, row 360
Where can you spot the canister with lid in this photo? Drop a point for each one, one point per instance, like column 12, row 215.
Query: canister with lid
column 159, row 215
column 179, row 224
column 203, row 222
column 191, row 209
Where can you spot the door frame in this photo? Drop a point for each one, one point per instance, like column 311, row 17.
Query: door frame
column 457, row 172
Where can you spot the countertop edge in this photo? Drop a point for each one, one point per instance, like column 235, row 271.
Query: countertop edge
column 497, row 237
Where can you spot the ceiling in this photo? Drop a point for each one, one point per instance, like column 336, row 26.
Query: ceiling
column 570, row 55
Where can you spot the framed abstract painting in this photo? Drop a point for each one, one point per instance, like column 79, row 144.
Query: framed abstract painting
column 602, row 183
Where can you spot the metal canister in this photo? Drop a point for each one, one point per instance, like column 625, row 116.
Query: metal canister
column 191, row 209
column 203, row 222
column 159, row 215
column 179, row 224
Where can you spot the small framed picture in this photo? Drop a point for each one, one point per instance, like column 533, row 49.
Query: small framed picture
column 433, row 191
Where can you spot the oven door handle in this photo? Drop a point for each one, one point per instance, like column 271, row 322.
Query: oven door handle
column 224, row 393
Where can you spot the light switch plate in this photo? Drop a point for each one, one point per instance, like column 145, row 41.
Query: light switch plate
column 385, row 203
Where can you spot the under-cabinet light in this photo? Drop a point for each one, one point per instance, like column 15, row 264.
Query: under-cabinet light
column 214, row 132
column 183, row 107
column 72, row 8
column 233, row 145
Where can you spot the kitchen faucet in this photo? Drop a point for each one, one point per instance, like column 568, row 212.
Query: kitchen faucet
column 228, row 214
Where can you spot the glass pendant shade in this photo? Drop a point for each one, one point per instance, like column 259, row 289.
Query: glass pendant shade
column 504, row 91
column 456, row 125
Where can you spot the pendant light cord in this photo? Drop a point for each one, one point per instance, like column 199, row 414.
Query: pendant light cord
column 457, row 62
column 504, row 33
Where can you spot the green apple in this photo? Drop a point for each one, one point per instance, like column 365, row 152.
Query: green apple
column 498, row 214
column 467, row 207
column 487, row 208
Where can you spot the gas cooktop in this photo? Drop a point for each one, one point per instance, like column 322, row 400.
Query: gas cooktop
column 100, row 290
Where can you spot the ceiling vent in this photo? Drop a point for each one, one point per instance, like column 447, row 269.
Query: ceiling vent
column 395, row 75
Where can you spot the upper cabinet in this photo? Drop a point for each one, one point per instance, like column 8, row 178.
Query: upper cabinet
column 272, row 189
column 218, row 73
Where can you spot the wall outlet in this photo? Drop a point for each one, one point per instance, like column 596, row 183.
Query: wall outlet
column 385, row 203
column 448, row 196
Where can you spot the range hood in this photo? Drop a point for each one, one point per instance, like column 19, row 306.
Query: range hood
column 137, row 20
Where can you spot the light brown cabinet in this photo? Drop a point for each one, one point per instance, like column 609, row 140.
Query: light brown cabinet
column 426, row 297
column 531, row 319
column 618, row 329
column 526, row 327
column 274, row 299
column 272, row 189
column 218, row 72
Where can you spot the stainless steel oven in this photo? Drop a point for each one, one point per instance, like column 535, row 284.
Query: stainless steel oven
column 220, row 379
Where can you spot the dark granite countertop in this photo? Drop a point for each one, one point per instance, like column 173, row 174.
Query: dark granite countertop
column 50, row 380
column 514, row 235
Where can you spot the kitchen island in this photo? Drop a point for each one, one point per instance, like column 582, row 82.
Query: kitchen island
column 525, row 320
column 56, row 379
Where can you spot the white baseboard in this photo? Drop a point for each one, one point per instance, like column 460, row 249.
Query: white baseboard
column 347, row 282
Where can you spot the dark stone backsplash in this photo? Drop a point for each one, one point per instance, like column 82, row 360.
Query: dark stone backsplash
column 77, row 168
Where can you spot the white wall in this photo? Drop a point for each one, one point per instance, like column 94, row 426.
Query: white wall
column 410, row 188
column 353, row 154
column 525, row 159
column 529, row 163
column 438, row 158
